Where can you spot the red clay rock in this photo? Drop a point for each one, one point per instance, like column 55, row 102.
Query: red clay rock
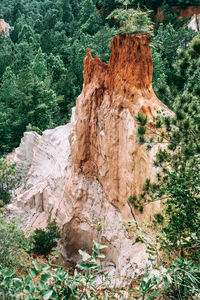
column 187, row 12
column 104, row 142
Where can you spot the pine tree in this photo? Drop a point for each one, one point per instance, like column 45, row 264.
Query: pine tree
column 8, row 88
column 6, row 54
column 131, row 20
column 187, row 68
column 67, row 15
column 7, row 110
column 100, row 44
column 64, row 83
column 75, row 7
column 178, row 178
column 39, row 67
column 90, row 20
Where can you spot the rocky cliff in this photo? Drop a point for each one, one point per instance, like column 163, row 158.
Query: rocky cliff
column 82, row 174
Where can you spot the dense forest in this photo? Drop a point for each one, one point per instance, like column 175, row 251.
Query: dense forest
column 41, row 62
column 41, row 75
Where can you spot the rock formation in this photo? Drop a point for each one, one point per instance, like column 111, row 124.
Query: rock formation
column 4, row 27
column 195, row 23
column 192, row 12
column 104, row 137
column 82, row 174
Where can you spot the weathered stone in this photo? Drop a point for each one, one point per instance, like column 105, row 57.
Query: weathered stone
column 4, row 27
column 104, row 138
column 82, row 174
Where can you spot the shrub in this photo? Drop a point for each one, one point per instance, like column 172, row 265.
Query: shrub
column 43, row 241
column 44, row 282
column 13, row 244
column 7, row 179
column 1, row 203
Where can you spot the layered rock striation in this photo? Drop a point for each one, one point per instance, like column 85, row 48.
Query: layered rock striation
column 104, row 142
column 82, row 174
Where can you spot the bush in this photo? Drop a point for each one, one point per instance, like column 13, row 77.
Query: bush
column 13, row 244
column 7, row 179
column 43, row 241
column 44, row 282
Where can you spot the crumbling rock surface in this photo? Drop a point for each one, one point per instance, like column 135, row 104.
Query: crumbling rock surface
column 4, row 27
column 103, row 141
column 82, row 174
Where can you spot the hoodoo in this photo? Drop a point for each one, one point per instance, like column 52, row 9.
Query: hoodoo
column 104, row 142
column 82, row 174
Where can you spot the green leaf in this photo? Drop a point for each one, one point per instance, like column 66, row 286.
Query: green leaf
column 27, row 289
column 97, row 247
column 32, row 287
column 33, row 272
column 17, row 282
column 166, row 282
column 101, row 255
column 85, row 255
column 42, row 285
column 37, row 266
column 45, row 277
column 47, row 294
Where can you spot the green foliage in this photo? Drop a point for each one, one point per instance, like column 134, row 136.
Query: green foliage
column 178, row 180
column 187, row 69
column 43, row 241
column 41, row 62
column 90, row 20
column 2, row 203
column 110, row 5
column 43, row 282
column 166, row 47
column 67, row 15
column 177, row 186
column 180, row 278
column 100, row 43
column 7, row 179
column 13, row 245
column 132, row 21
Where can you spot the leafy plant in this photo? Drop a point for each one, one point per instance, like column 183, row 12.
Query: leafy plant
column 43, row 282
column 185, row 278
column 132, row 21
column 7, row 179
column 43, row 241
column 177, row 187
column 91, row 267
column 9, row 285
column 13, row 245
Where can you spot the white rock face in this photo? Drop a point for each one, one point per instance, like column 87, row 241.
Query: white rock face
column 53, row 190
column 195, row 23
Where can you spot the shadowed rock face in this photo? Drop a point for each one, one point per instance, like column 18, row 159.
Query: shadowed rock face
column 104, row 138
column 81, row 174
